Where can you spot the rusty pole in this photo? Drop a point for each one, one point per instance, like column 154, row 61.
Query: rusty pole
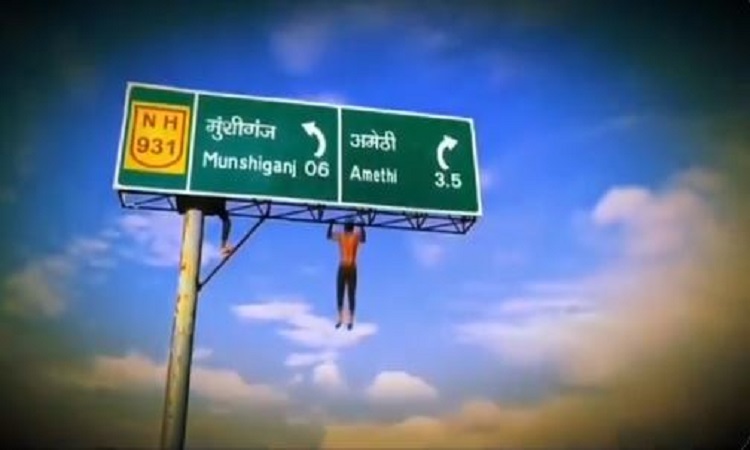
column 181, row 354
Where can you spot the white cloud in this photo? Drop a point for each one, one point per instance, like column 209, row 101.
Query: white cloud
column 428, row 254
column 111, row 233
column 487, row 179
column 130, row 371
column 310, row 270
column 309, row 359
column 227, row 386
column 37, row 289
column 41, row 287
column 555, row 305
column 274, row 310
column 588, row 132
column 92, row 251
column 619, row 204
column 328, row 376
column 505, row 67
column 557, row 287
column 296, row 379
column 135, row 371
column 475, row 425
column 400, row 387
column 509, row 257
column 664, row 330
column 615, row 124
column 586, row 324
column 318, row 332
column 302, row 327
column 540, row 336
column 660, row 224
column 299, row 44
column 155, row 239
column 87, row 397
column 201, row 353
column 327, row 97
column 88, row 246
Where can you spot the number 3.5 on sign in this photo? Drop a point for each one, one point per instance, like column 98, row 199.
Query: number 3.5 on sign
column 446, row 180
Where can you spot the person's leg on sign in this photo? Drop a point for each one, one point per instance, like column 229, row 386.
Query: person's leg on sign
column 340, row 283
column 226, row 227
column 352, row 294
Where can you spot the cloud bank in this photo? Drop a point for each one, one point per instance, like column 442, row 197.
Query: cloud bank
column 652, row 350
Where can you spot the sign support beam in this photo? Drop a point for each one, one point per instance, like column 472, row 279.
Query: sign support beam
column 244, row 239
column 314, row 213
column 174, row 417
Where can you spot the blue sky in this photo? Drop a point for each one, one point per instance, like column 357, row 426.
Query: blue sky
column 600, row 163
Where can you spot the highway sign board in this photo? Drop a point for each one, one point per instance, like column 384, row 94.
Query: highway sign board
column 183, row 141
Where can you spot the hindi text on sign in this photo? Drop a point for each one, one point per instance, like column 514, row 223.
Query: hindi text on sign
column 238, row 127
column 386, row 142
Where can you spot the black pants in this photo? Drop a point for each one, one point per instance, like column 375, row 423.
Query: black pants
column 346, row 278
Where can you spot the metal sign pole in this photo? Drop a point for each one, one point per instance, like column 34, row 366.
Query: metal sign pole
column 180, row 356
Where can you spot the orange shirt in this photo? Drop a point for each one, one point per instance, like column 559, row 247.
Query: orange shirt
column 348, row 246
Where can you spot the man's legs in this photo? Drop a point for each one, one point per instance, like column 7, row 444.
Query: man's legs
column 351, row 292
column 340, row 281
column 226, row 227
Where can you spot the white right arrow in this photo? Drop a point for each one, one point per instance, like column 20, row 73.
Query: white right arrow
column 448, row 143
column 312, row 130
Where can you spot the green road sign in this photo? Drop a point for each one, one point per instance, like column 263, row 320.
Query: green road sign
column 184, row 141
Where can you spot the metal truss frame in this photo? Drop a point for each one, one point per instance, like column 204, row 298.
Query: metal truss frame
column 261, row 210
column 313, row 213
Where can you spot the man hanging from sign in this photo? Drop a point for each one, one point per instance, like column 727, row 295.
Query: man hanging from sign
column 346, row 278
column 211, row 206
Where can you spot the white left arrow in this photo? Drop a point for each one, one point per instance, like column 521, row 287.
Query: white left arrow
column 312, row 130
